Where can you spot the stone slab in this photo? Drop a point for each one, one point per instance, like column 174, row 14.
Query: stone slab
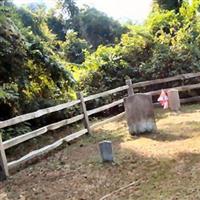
column 174, row 100
column 106, row 151
column 140, row 114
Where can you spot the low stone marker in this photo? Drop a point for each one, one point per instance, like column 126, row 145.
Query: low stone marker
column 174, row 100
column 106, row 151
column 140, row 114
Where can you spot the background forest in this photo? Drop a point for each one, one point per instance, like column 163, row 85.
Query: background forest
column 47, row 55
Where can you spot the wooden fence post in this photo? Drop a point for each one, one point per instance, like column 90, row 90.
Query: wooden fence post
column 130, row 87
column 84, row 110
column 3, row 161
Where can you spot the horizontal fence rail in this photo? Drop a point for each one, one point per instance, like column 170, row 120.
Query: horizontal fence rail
column 22, row 138
column 102, row 108
column 106, row 93
column 5, row 167
column 180, row 89
column 165, row 80
column 45, row 149
column 37, row 114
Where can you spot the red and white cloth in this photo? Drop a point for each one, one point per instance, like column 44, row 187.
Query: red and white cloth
column 163, row 99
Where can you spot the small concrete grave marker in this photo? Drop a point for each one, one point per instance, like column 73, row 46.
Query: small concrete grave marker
column 106, row 151
column 140, row 114
column 174, row 100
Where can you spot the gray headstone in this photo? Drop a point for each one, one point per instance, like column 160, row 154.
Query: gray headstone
column 106, row 151
column 174, row 100
column 140, row 114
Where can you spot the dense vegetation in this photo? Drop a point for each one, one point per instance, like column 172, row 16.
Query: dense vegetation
column 48, row 54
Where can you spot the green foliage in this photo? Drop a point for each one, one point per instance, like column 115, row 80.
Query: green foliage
column 167, row 45
column 74, row 48
column 169, row 4
column 105, row 68
column 30, row 59
column 9, row 100
column 162, row 20
column 90, row 24
column 45, row 56
column 56, row 25
column 11, row 132
column 97, row 28
column 70, row 8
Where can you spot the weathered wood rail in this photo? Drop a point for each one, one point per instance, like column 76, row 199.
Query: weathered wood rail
column 5, row 166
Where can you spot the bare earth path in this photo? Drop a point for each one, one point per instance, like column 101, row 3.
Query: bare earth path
column 165, row 165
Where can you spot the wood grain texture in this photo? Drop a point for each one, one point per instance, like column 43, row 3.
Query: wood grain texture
column 85, row 113
column 180, row 88
column 103, row 94
column 165, row 80
column 105, row 107
column 22, row 138
column 45, row 149
column 39, row 113
column 3, row 161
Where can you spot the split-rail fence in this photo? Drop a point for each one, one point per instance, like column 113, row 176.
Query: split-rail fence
column 81, row 100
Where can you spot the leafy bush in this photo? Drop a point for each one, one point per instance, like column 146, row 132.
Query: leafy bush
column 41, row 65
column 167, row 45
column 15, row 131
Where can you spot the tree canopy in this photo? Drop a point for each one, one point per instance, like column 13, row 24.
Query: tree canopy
column 169, row 4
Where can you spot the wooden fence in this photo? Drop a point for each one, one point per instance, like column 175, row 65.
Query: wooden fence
column 5, row 166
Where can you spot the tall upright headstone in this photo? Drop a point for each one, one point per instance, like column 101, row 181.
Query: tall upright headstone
column 174, row 100
column 140, row 114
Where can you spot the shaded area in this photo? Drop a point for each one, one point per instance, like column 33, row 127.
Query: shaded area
column 164, row 137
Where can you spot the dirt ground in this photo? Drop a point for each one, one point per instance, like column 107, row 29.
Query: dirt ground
column 159, row 166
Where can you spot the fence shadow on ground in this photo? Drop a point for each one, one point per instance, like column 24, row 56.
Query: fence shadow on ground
column 153, row 177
